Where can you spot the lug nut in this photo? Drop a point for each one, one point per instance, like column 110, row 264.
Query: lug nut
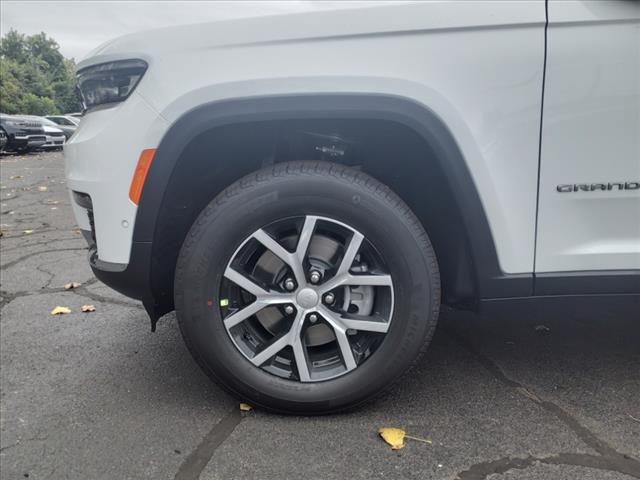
column 315, row 276
column 288, row 309
column 329, row 298
column 289, row 284
column 313, row 318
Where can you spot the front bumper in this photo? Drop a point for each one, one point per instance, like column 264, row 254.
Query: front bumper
column 52, row 141
column 132, row 279
column 100, row 160
column 19, row 142
column 117, row 275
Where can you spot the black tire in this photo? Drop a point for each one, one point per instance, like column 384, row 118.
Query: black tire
column 304, row 188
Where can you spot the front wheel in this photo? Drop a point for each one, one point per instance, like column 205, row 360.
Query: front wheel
column 307, row 287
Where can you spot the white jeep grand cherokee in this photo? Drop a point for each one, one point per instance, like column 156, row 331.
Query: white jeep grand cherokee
column 306, row 190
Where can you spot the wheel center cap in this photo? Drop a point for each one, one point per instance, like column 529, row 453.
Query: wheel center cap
column 307, row 298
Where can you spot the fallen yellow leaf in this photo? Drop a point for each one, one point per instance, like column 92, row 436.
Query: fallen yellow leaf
column 393, row 436
column 27, row 232
column 245, row 407
column 88, row 308
column 71, row 285
column 15, row 177
column 42, row 188
column 60, row 311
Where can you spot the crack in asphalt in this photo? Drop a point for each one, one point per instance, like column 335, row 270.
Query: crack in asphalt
column 608, row 458
column 196, row 461
column 45, row 242
column 41, row 268
column 43, row 202
column 102, row 299
column 7, row 297
column 33, row 254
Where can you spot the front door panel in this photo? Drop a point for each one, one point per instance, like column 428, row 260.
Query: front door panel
column 589, row 198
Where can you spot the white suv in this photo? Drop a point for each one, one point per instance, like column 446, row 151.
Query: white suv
column 306, row 190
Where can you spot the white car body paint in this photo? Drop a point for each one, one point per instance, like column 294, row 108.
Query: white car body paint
column 477, row 64
column 100, row 159
column 590, row 134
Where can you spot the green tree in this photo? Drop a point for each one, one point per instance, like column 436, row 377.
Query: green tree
column 36, row 105
column 11, row 92
column 35, row 78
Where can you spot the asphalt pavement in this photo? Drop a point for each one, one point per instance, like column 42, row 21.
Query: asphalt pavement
column 526, row 393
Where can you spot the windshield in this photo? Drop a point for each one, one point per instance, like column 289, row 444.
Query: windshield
column 46, row 121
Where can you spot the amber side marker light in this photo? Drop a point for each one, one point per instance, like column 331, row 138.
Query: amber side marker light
column 140, row 175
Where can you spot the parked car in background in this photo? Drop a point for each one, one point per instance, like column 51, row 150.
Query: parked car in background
column 23, row 134
column 77, row 115
column 55, row 136
column 67, row 128
column 3, row 140
column 64, row 120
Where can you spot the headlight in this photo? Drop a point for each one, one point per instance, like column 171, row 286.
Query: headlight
column 109, row 82
column 15, row 123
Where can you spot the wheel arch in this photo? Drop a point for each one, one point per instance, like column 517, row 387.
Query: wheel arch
column 476, row 276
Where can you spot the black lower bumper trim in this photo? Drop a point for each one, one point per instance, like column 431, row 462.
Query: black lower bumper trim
column 597, row 282
column 130, row 279
column 133, row 279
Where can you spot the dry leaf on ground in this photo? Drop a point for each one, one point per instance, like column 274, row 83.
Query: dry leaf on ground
column 395, row 437
column 42, row 188
column 15, row 177
column 71, row 285
column 60, row 311
column 88, row 308
column 245, row 407
column 27, row 232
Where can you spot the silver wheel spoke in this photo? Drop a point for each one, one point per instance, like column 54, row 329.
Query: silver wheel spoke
column 244, row 282
column 305, row 237
column 301, row 361
column 283, row 254
column 270, row 351
column 350, row 254
column 241, row 315
column 260, row 303
column 340, row 332
column 298, row 348
column 366, row 325
column 348, row 279
column 376, row 280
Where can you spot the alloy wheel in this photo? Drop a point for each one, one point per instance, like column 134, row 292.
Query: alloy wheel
column 307, row 298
